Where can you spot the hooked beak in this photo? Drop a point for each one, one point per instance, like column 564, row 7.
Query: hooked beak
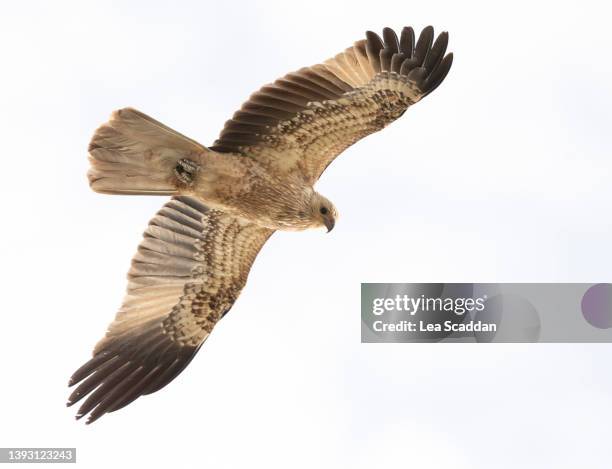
column 329, row 223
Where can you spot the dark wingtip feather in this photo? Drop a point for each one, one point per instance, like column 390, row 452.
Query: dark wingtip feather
column 396, row 62
column 391, row 41
column 417, row 75
column 424, row 43
column 385, row 60
column 423, row 63
column 94, row 378
column 87, row 368
column 373, row 47
column 408, row 65
column 110, row 384
column 436, row 53
column 407, row 41
column 374, row 39
column 438, row 76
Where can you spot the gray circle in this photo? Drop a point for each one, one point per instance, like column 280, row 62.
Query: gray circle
column 516, row 319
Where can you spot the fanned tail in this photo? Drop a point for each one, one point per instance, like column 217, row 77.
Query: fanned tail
column 135, row 154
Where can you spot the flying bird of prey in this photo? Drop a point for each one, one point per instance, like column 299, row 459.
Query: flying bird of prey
column 228, row 199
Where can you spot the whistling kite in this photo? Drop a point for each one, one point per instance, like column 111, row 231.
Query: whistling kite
column 229, row 198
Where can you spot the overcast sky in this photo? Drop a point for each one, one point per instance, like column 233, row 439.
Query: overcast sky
column 502, row 174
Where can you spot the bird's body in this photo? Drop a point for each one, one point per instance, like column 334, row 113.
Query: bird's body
column 245, row 188
column 228, row 199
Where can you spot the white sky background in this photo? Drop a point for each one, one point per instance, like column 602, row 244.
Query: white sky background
column 502, row 174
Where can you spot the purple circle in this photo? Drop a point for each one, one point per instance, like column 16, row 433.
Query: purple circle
column 597, row 305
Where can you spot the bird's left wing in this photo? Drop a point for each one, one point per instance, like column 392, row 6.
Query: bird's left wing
column 188, row 271
column 302, row 121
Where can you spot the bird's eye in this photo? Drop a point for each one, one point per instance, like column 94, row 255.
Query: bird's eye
column 323, row 210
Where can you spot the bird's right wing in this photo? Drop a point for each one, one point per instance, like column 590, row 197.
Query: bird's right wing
column 304, row 120
column 187, row 273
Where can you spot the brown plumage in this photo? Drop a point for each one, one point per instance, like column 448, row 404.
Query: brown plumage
column 256, row 178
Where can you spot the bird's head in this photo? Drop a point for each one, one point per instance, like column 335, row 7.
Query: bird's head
column 323, row 212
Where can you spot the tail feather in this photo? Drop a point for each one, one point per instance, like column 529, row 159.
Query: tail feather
column 134, row 154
